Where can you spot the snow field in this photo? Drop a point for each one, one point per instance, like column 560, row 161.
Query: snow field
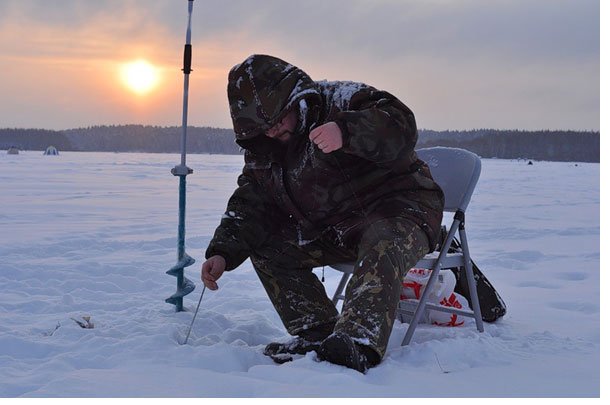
column 92, row 234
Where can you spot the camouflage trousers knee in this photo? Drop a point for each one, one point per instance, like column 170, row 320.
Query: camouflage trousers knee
column 383, row 254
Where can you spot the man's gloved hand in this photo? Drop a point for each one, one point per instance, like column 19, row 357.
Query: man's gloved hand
column 327, row 137
column 211, row 271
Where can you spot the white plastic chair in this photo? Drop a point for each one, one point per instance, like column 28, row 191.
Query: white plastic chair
column 456, row 171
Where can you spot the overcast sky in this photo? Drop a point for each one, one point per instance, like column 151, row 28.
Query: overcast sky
column 461, row 64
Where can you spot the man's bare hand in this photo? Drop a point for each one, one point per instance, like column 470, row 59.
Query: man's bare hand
column 211, row 271
column 327, row 137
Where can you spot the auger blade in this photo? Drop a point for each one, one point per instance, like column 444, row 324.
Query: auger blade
column 180, row 265
column 187, row 287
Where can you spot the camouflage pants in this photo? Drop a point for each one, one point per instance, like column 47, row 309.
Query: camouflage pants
column 383, row 254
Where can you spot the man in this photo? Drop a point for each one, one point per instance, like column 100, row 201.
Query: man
column 330, row 176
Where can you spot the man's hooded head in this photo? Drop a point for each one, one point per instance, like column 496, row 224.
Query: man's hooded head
column 261, row 90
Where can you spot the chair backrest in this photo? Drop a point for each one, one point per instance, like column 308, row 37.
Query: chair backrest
column 456, row 171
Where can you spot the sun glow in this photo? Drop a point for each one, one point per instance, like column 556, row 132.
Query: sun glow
column 140, row 76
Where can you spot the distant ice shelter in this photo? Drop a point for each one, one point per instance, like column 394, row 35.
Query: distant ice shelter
column 51, row 151
column 13, row 150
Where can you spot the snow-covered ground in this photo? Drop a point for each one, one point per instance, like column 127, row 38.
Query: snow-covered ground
column 92, row 234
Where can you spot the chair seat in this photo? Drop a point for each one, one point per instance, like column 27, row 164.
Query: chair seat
column 450, row 260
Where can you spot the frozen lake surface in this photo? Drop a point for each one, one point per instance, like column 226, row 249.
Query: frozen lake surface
column 92, row 234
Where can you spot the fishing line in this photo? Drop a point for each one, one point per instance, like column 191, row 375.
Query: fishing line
column 194, row 316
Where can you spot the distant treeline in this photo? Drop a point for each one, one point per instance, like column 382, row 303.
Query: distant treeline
column 123, row 138
column 570, row 146
column 578, row 146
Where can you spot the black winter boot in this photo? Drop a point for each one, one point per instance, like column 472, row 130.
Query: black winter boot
column 297, row 345
column 307, row 341
column 340, row 349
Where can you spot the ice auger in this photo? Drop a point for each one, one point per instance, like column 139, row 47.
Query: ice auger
column 184, row 285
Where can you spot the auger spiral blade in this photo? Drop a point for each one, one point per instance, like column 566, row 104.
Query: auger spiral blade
column 179, row 267
column 185, row 286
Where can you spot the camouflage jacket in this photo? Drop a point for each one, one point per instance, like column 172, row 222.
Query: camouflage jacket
column 375, row 175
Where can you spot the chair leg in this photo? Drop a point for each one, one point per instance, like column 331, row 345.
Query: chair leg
column 472, row 286
column 340, row 288
column 421, row 307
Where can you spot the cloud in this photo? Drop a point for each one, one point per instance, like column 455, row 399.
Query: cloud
column 383, row 28
column 463, row 64
column 519, row 29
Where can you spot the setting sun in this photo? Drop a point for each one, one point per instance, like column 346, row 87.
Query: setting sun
column 140, row 76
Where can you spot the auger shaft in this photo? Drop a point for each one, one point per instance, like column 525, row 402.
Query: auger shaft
column 184, row 285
